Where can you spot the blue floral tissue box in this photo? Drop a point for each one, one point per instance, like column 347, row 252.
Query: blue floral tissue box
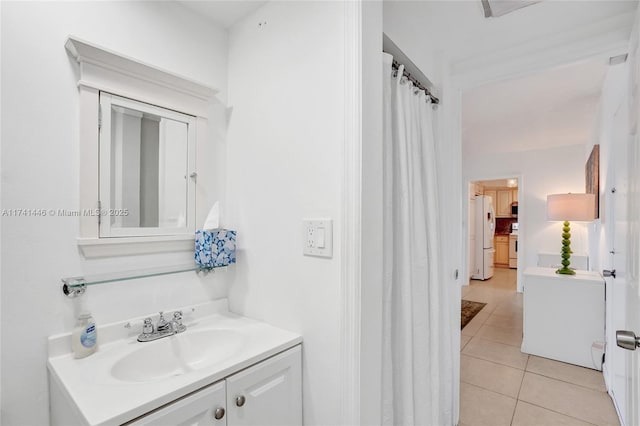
column 215, row 248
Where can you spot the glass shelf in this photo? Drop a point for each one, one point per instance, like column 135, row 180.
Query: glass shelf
column 76, row 286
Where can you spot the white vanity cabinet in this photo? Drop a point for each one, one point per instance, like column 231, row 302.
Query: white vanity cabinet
column 267, row 393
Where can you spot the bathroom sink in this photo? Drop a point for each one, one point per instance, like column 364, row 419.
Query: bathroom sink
column 176, row 355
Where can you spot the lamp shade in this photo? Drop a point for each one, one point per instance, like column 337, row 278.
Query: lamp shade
column 571, row 207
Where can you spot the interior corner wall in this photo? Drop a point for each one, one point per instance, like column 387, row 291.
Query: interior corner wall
column 543, row 172
column 284, row 161
column 404, row 22
column 40, row 170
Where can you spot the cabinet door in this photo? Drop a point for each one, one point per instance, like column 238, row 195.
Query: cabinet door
column 267, row 394
column 503, row 203
column 514, row 195
column 502, row 252
column 197, row 409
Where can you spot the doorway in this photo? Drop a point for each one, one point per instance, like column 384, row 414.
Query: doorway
column 493, row 214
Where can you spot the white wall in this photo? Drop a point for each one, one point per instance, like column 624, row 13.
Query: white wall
column 614, row 94
column 541, row 172
column 284, row 163
column 408, row 24
column 40, row 170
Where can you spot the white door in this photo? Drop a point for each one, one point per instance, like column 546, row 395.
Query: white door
column 268, row 394
column 616, row 228
column 631, row 274
column 622, row 236
column 632, row 286
column 489, row 221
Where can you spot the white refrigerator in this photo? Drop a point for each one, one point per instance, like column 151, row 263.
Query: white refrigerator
column 485, row 230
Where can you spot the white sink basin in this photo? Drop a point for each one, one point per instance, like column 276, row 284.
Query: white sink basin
column 178, row 354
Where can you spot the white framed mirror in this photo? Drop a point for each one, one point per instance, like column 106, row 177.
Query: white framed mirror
column 147, row 199
column 147, row 162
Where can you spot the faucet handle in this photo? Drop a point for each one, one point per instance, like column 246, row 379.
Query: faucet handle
column 147, row 327
column 177, row 320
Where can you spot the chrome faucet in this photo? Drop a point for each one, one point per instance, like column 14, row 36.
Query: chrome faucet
column 162, row 329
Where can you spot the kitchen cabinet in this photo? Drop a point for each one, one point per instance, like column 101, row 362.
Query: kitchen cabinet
column 268, row 393
column 514, row 195
column 563, row 315
column 502, row 250
column 503, row 202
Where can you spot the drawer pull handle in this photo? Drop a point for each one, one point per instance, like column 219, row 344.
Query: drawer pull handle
column 240, row 400
column 219, row 413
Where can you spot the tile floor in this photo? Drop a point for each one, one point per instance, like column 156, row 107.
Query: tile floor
column 502, row 386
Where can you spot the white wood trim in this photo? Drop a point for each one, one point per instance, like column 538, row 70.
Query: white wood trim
column 595, row 41
column 109, row 247
column 351, row 218
column 104, row 70
column 101, row 68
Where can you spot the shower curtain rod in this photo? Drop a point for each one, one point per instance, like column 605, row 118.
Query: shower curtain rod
column 416, row 82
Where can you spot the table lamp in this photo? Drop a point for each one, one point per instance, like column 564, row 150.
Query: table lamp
column 569, row 207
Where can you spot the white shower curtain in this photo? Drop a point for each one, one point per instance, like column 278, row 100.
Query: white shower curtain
column 417, row 355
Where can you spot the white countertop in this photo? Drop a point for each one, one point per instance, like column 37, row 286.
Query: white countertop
column 551, row 274
column 104, row 400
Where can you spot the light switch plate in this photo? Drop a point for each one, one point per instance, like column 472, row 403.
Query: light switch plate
column 317, row 237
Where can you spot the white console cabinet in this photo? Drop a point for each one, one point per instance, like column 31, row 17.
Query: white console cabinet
column 563, row 316
column 268, row 393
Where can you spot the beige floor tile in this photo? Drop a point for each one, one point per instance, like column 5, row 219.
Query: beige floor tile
column 567, row 372
column 531, row 415
column 508, row 336
column 480, row 407
column 463, row 341
column 465, row 289
column 496, row 352
column 575, row 401
column 505, row 321
column 508, row 309
column 491, row 376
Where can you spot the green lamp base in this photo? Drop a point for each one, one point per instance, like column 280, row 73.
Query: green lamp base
column 565, row 271
column 566, row 251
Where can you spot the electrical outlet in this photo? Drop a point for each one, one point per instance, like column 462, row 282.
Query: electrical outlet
column 310, row 236
column 317, row 237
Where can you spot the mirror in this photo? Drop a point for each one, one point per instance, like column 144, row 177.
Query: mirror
column 145, row 179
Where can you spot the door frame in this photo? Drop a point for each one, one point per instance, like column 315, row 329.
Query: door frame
column 576, row 45
column 465, row 225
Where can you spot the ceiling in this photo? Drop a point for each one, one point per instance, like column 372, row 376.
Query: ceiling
column 552, row 108
column 223, row 12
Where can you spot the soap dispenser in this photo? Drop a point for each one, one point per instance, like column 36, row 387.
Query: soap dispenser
column 84, row 338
